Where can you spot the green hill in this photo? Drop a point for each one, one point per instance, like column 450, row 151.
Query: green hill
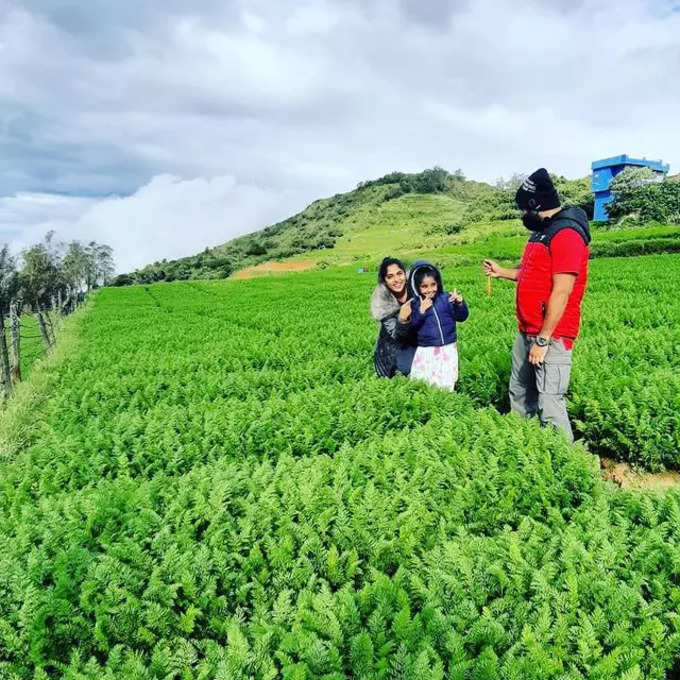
column 399, row 212
column 434, row 213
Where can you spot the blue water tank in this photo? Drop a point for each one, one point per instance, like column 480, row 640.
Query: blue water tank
column 604, row 172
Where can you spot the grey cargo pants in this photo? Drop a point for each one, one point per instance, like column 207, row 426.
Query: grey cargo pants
column 541, row 389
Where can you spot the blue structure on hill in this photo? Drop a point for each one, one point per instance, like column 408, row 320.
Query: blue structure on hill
column 604, row 172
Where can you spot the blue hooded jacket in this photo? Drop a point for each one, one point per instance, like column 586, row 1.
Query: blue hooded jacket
column 437, row 326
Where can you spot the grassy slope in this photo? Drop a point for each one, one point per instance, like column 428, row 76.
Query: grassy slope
column 367, row 218
column 405, row 228
column 405, row 224
column 351, row 216
column 413, row 225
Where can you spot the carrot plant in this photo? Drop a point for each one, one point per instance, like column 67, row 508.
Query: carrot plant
column 218, row 487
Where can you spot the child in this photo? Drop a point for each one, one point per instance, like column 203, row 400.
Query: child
column 433, row 316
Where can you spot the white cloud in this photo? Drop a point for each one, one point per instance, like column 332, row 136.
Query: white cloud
column 166, row 218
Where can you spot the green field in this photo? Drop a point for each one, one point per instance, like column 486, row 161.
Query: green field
column 207, row 481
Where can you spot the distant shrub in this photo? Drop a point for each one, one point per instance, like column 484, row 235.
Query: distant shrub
column 393, row 192
column 432, row 180
column 640, row 194
column 256, row 248
column 123, row 280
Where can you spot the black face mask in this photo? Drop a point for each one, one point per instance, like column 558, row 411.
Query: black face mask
column 533, row 221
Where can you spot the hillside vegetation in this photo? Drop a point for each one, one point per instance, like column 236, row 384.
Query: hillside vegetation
column 435, row 213
column 400, row 212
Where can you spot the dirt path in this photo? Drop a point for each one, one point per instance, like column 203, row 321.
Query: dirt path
column 627, row 478
column 266, row 268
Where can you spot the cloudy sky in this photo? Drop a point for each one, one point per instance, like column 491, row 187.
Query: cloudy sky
column 164, row 127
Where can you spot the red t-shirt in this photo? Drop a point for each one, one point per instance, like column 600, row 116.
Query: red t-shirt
column 566, row 254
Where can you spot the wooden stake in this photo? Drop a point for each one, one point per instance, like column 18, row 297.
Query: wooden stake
column 67, row 304
column 43, row 330
column 15, row 333
column 49, row 325
column 4, row 358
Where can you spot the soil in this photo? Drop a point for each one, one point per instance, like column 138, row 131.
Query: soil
column 627, row 478
column 266, row 268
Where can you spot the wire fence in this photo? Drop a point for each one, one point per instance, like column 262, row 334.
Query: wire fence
column 29, row 337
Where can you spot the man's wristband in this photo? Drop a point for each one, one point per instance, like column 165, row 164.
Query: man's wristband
column 541, row 342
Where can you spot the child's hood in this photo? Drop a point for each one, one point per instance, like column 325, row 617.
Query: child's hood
column 420, row 264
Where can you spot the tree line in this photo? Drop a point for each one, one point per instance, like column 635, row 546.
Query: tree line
column 49, row 279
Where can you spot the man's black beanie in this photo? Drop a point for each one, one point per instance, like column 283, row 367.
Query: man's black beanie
column 537, row 192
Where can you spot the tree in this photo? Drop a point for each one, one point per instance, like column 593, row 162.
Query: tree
column 433, row 180
column 632, row 178
column 511, row 184
column 9, row 279
column 123, row 280
column 51, row 270
column 575, row 192
column 104, row 264
column 645, row 195
column 74, row 266
column 256, row 248
column 9, row 284
column 99, row 269
column 40, row 276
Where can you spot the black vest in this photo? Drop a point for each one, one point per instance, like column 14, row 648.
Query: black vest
column 555, row 226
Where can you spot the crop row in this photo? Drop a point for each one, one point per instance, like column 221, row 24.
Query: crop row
column 471, row 545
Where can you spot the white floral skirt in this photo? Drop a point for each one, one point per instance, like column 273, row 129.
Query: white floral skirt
column 436, row 366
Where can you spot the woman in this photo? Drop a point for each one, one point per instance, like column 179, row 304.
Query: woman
column 391, row 307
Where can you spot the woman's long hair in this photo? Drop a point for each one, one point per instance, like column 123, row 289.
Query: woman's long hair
column 387, row 261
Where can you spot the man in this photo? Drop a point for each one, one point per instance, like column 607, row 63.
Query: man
column 551, row 280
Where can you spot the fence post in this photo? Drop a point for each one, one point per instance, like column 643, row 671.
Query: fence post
column 4, row 358
column 49, row 325
column 43, row 329
column 66, row 303
column 15, row 333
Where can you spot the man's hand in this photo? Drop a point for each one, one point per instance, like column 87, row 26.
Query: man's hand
column 537, row 354
column 425, row 304
column 456, row 297
column 492, row 268
column 405, row 311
